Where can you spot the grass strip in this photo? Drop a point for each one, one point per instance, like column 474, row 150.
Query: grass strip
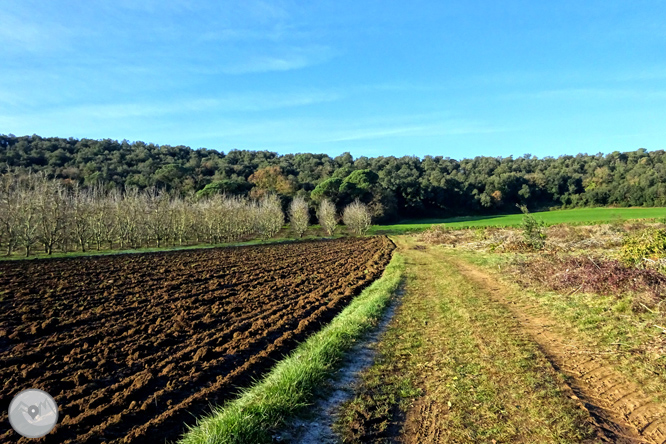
column 294, row 382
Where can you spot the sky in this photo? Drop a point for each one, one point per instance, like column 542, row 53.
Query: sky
column 375, row 78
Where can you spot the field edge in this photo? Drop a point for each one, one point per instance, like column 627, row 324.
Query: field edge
column 291, row 386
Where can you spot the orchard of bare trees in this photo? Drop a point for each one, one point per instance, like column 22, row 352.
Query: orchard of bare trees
column 42, row 214
column 37, row 213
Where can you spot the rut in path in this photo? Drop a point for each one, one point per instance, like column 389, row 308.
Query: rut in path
column 619, row 406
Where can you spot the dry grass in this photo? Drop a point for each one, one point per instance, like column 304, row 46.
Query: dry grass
column 559, row 238
column 452, row 362
column 587, row 274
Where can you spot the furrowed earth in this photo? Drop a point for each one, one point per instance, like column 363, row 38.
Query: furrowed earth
column 134, row 347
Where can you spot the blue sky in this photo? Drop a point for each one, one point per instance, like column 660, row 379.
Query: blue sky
column 454, row 78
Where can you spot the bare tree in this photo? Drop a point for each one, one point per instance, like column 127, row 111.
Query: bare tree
column 36, row 209
column 158, row 215
column 9, row 212
column 299, row 215
column 51, row 200
column 328, row 219
column 357, row 217
column 183, row 219
column 269, row 217
column 28, row 213
column 129, row 214
column 81, row 204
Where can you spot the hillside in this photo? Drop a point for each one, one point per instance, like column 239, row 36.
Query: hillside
column 395, row 187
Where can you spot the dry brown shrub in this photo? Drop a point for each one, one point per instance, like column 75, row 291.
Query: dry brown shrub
column 588, row 274
column 588, row 237
column 440, row 235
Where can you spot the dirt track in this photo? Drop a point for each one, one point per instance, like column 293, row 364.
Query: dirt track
column 622, row 411
column 468, row 359
column 132, row 346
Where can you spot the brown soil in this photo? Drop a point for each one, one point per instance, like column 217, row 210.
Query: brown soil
column 624, row 414
column 133, row 347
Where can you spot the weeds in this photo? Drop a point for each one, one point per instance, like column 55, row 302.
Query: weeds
column 645, row 248
column 593, row 275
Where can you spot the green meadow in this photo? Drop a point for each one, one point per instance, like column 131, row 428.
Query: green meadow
column 575, row 216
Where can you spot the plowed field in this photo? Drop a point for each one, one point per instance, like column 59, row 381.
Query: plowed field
column 132, row 347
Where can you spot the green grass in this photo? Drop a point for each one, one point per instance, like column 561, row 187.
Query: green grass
column 451, row 361
column 295, row 381
column 575, row 216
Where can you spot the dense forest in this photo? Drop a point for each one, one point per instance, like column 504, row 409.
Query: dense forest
column 392, row 187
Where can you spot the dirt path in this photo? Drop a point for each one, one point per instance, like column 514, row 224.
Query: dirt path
column 620, row 408
column 456, row 366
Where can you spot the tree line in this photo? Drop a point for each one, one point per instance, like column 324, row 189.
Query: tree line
column 391, row 187
column 46, row 214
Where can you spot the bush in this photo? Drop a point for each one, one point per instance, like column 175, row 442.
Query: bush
column 533, row 230
column 648, row 245
column 593, row 275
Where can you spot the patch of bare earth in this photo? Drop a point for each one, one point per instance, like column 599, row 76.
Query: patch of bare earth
column 622, row 411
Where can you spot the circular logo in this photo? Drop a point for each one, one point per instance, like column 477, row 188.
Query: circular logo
column 33, row 413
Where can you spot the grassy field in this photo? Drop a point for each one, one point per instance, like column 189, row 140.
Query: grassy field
column 575, row 216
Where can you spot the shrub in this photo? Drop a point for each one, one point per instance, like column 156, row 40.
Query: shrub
column 589, row 275
column 533, row 230
column 648, row 245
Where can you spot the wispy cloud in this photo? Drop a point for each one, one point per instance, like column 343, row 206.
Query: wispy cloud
column 317, row 132
column 445, row 128
column 286, row 59
column 591, row 93
column 240, row 102
column 19, row 34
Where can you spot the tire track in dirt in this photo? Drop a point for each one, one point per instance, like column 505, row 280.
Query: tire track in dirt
column 618, row 405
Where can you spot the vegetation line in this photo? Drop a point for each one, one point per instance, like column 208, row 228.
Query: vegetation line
column 290, row 387
column 254, row 242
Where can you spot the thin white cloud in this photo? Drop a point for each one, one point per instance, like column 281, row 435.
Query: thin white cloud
column 447, row 128
column 19, row 34
column 591, row 93
column 247, row 102
column 316, row 132
column 283, row 60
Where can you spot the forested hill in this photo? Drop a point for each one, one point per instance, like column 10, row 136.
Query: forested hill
column 395, row 187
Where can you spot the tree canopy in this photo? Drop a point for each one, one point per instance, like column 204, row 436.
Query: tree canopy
column 391, row 186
